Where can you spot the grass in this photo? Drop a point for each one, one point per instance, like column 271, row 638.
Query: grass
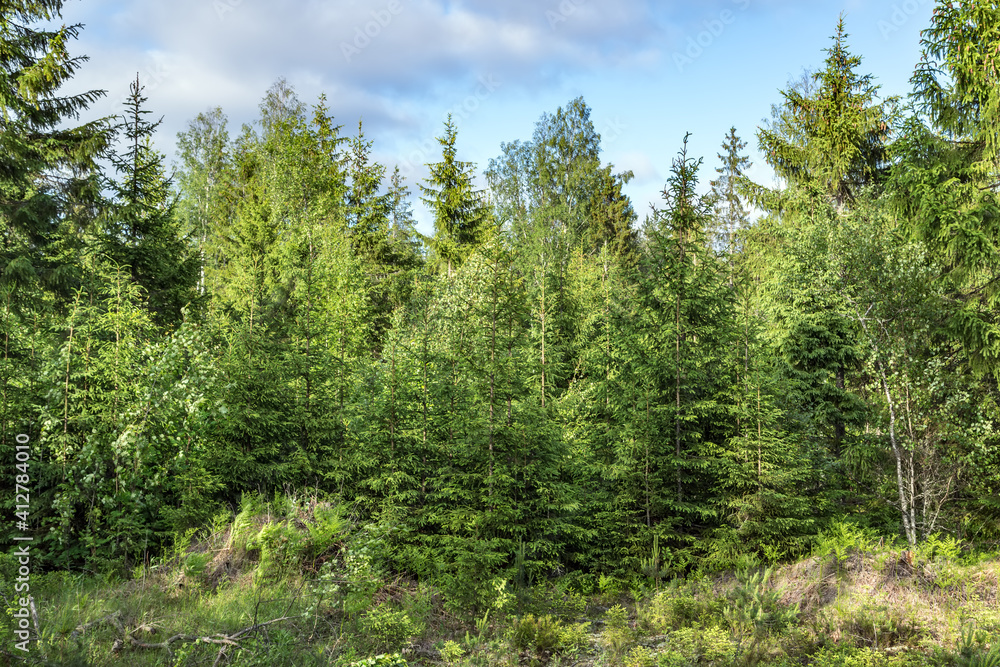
column 296, row 584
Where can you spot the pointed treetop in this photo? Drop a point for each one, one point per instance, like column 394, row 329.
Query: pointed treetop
column 831, row 140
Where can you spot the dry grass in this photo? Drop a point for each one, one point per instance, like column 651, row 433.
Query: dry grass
column 889, row 599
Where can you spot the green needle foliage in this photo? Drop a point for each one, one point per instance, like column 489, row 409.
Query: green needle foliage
column 460, row 217
column 541, row 391
column 141, row 230
column 49, row 187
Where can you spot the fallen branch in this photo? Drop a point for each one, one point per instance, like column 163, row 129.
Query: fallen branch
column 221, row 639
column 126, row 639
column 110, row 618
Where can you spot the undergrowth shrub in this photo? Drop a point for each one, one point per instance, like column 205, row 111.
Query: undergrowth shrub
column 681, row 604
column 546, row 634
column 452, row 652
column 849, row 656
column 617, row 634
column 754, row 609
column 327, row 529
column 882, row 626
column 561, row 602
column 535, row 634
column 386, row 629
column 281, row 547
column 640, row 656
column 695, row 645
column 974, row 650
column 361, row 574
column 194, row 566
column 942, row 560
column 288, row 532
column 843, row 539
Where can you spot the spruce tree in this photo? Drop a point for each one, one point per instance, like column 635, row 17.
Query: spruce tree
column 368, row 209
column 683, row 330
column 946, row 179
column 402, row 229
column 460, row 216
column 141, row 230
column 611, row 215
column 829, row 143
column 731, row 214
column 833, row 141
column 48, row 174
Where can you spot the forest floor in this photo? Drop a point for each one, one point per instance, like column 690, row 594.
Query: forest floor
column 262, row 590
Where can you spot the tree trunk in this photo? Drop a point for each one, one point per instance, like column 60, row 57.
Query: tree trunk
column 905, row 495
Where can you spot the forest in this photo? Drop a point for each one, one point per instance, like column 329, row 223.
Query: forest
column 249, row 390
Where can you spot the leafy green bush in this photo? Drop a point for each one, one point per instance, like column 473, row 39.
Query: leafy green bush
column 451, row 652
column 387, row 630
column 360, row 573
column 656, row 615
column 574, row 637
column 617, row 634
column 242, row 532
column 546, row 635
column 680, row 605
column 843, row 539
column 195, row 564
column 559, row 601
column 640, row 656
column 697, row 646
column 938, row 548
column 846, row 656
column 281, row 547
column 327, row 527
column 972, row 649
column 942, row 558
column 536, row 634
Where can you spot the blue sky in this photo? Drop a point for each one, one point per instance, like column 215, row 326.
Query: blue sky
column 650, row 71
